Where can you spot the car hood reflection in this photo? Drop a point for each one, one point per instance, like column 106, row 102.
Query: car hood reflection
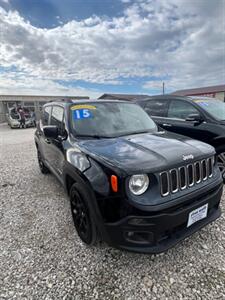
column 146, row 152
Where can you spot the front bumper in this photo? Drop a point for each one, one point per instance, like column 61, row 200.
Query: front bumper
column 161, row 230
column 14, row 125
column 29, row 124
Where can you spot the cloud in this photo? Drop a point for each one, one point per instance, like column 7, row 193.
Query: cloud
column 152, row 84
column 125, row 1
column 31, row 85
column 182, row 40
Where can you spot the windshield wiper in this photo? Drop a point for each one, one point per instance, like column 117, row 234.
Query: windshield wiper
column 135, row 132
column 139, row 132
column 94, row 136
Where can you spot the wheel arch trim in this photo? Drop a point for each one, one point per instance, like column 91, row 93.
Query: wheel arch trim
column 80, row 178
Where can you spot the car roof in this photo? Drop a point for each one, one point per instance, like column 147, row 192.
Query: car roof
column 86, row 101
column 165, row 97
column 170, row 97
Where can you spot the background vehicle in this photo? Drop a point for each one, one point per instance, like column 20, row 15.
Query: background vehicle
column 13, row 118
column 200, row 118
column 130, row 184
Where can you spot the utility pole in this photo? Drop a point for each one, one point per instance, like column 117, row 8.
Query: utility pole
column 163, row 88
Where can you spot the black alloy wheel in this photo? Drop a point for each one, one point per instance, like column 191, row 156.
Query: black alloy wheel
column 221, row 164
column 82, row 218
column 43, row 168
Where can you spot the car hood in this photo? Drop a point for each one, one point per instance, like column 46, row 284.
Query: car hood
column 146, row 152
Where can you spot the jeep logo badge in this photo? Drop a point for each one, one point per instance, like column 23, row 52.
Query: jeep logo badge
column 189, row 156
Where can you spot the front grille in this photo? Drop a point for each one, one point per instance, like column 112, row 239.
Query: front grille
column 186, row 176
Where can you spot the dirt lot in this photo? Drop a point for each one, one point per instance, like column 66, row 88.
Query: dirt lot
column 41, row 256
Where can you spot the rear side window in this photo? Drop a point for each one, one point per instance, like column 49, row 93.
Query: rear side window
column 181, row 110
column 157, row 108
column 57, row 117
column 46, row 114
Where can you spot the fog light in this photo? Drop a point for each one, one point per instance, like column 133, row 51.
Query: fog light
column 130, row 233
column 143, row 237
column 139, row 221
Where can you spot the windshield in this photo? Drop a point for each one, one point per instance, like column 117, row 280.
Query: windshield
column 214, row 107
column 14, row 116
column 109, row 119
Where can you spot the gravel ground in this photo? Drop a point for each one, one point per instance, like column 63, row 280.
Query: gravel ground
column 41, row 256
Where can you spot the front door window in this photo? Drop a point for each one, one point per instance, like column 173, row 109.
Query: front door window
column 181, row 110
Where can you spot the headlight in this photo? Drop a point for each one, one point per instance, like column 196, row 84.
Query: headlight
column 138, row 184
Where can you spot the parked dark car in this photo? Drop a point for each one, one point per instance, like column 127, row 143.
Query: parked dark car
column 201, row 118
column 129, row 184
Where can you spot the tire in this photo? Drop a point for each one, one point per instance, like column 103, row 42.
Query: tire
column 82, row 215
column 221, row 164
column 43, row 168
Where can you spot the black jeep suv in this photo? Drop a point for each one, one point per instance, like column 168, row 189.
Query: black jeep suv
column 200, row 118
column 129, row 184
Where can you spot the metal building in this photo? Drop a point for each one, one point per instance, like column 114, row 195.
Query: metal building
column 128, row 97
column 33, row 103
column 216, row 91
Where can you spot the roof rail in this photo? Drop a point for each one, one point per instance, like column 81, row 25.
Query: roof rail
column 63, row 100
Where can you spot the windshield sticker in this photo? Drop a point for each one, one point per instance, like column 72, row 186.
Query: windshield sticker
column 202, row 103
column 83, row 106
column 80, row 114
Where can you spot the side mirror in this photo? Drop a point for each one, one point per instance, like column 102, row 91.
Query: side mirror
column 194, row 118
column 51, row 131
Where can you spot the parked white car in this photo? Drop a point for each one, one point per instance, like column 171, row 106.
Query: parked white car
column 13, row 119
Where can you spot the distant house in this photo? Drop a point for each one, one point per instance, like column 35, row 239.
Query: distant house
column 216, row 91
column 128, row 97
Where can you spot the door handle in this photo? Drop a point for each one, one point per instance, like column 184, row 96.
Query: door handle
column 167, row 125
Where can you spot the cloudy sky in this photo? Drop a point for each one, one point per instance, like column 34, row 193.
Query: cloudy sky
column 88, row 47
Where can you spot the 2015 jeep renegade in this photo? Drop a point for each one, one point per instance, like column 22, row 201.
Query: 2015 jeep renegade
column 130, row 184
